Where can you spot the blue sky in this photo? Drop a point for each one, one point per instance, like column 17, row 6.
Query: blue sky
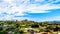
column 34, row 10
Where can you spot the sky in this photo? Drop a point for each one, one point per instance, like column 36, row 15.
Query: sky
column 34, row 10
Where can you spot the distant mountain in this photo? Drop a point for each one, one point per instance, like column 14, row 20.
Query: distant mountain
column 54, row 21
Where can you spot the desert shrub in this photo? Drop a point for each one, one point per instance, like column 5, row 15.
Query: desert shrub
column 21, row 31
column 1, row 28
column 35, row 26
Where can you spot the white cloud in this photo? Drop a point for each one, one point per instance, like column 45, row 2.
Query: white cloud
column 8, row 0
column 10, row 6
column 56, row 17
column 39, row 0
column 52, row 18
column 21, row 6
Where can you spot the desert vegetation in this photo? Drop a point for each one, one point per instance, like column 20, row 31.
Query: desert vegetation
column 24, row 27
